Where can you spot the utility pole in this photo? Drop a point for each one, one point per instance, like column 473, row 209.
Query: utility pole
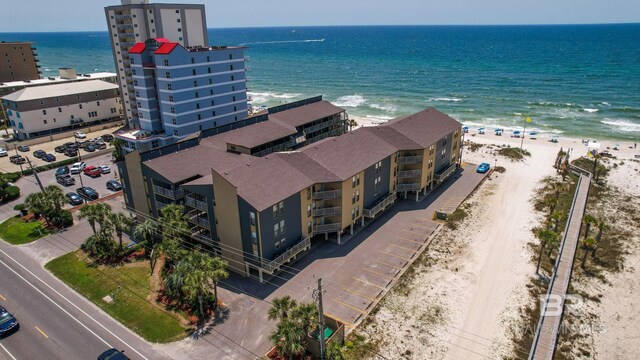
column 317, row 295
column 35, row 174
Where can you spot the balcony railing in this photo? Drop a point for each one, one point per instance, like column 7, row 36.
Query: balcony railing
column 409, row 174
column 408, row 187
column 409, row 159
column 125, row 26
column 328, row 194
column 196, row 203
column 273, row 265
column 123, row 16
column 328, row 211
column 174, row 194
column 326, row 228
column 440, row 177
column 381, row 205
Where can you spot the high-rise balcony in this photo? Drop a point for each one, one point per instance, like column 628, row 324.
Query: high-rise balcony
column 327, row 211
column 196, row 203
column 326, row 194
column 413, row 159
column 173, row 194
column 405, row 174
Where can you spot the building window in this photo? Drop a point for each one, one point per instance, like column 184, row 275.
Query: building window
column 171, row 98
column 353, row 198
column 57, row 99
column 195, row 83
column 44, row 112
column 80, row 105
column 178, row 20
column 232, row 78
column 193, row 72
column 197, row 106
column 166, row 62
column 179, row 29
column 231, row 67
column 96, row 94
column 196, row 94
column 208, row 69
column 44, row 121
column 353, row 214
column 78, row 97
column 234, row 98
column 169, row 87
column 59, row 109
column 167, row 75
column 281, row 226
column 254, row 238
column 175, row 132
column 357, row 195
column 276, row 230
column 199, row 118
column 173, row 110
column 98, row 103
column 308, row 210
column 174, row 121
column 211, row 82
column 252, row 217
column 135, row 82
column 230, row 56
column 42, row 101
column 353, row 182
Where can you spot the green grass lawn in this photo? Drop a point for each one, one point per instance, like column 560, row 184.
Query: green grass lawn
column 16, row 232
column 130, row 306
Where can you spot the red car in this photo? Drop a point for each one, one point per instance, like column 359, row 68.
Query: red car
column 92, row 171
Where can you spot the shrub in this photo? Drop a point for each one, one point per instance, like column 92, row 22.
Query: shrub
column 11, row 193
column 66, row 218
column 515, row 154
column 500, row 169
column 11, row 177
column 20, row 207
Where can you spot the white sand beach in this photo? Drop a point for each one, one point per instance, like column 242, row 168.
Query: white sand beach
column 466, row 300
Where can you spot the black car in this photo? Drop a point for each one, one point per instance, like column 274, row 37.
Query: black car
column 17, row 159
column 39, row 154
column 66, row 180
column 107, row 137
column 62, row 170
column 23, row 148
column 71, row 152
column 114, row 185
column 87, row 193
column 8, row 322
column 74, row 199
column 113, row 354
column 90, row 148
column 70, row 145
column 49, row 158
column 60, row 149
column 100, row 145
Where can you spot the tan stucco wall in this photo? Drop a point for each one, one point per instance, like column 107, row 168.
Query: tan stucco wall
column 304, row 219
column 137, row 186
column 228, row 226
column 347, row 206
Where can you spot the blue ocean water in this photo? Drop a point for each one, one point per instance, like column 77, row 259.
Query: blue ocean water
column 575, row 80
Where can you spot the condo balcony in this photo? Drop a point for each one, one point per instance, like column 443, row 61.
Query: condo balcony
column 173, row 194
column 125, row 26
column 405, row 174
column 444, row 174
column 380, row 205
column 326, row 228
column 413, row 159
column 196, row 203
column 199, row 221
column 326, row 194
column 274, row 265
column 123, row 17
column 328, row 211
column 408, row 187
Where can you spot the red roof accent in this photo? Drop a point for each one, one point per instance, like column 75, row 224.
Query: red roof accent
column 166, row 48
column 138, row 48
column 162, row 40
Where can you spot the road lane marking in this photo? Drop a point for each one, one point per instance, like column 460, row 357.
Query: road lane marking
column 8, row 353
column 69, row 301
column 3, row 298
column 42, row 332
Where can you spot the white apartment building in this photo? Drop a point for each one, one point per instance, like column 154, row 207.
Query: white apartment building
column 136, row 21
column 49, row 109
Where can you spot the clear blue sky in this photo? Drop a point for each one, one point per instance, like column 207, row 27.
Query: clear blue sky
column 71, row 15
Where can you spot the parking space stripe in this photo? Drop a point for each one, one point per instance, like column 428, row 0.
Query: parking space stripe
column 415, row 233
column 3, row 298
column 368, row 283
column 349, row 306
column 407, row 239
column 385, row 264
column 42, row 332
column 357, row 293
column 339, row 319
column 377, row 273
column 402, row 247
column 394, row 255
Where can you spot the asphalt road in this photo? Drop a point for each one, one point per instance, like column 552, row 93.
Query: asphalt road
column 55, row 322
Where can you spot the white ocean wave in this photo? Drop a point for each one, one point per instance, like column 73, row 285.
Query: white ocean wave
column 605, row 103
column 379, row 117
column 262, row 97
column 350, row 101
column 282, row 42
column 590, row 110
column 444, row 99
column 384, row 107
column 622, row 125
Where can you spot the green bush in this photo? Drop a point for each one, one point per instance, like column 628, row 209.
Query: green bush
column 60, row 219
column 20, row 207
column 11, row 177
column 11, row 193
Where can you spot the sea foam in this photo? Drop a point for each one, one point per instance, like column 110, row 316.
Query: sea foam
column 622, row 125
column 350, row 101
column 444, row 99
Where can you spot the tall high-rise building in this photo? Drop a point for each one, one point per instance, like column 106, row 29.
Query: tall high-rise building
column 136, row 21
column 18, row 62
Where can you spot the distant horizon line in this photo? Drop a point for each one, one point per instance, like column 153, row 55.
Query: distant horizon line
column 351, row 25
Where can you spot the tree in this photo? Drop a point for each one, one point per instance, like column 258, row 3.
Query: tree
column 38, row 204
column 95, row 213
column 281, row 308
column 558, row 187
column 295, row 322
column 289, row 338
column 55, row 197
column 174, row 222
column 547, row 237
column 352, row 123
column 588, row 245
column 118, row 150
column 588, row 220
column 551, row 203
column 596, row 157
column 117, row 222
column 557, row 217
column 100, row 245
column 602, row 227
column 147, row 231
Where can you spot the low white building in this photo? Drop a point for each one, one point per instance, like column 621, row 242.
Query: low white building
column 50, row 109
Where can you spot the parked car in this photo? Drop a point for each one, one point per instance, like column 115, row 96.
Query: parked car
column 113, row 354
column 62, row 170
column 3, row 152
column 114, row 185
column 79, row 135
column 483, row 168
column 23, row 148
column 66, row 180
column 105, row 169
column 60, row 149
column 91, row 171
column 8, row 322
column 90, row 148
column 17, row 159
column 107, row 137
column 87, row 193
column 49, row 158
column 71, row 152
column 100, row 145
column 70, row 145
column 39, row 154
column 74, row 199
column 77, row 168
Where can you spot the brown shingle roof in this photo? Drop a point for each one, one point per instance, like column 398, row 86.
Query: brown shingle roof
column 253, row 135
column 305, row 114
column 425, row 127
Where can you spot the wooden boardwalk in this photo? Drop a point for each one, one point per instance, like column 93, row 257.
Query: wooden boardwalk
column 544, row 342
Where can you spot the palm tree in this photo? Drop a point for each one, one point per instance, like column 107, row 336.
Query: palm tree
column 588, row 220
column 289, row 339
column 547, row 237
column 55, row 196
column 174, row 222
column 95, row 213
column 602, row 227
column 307, row 315
column 352, row 123
column 146, row 230
column 281, row 308
column 557, row 217
column 551, row 203
column 100, row 245
column 118, row 222
column 38, row 204
column 216, row 271
column 596, row 157
column 588, row 245
column 559, row 187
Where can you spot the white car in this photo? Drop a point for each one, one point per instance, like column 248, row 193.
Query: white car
column 77, row 168
column 79, row 135
column 105, row 169
column 3, row 152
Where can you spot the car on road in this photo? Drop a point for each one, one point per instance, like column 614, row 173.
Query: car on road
column 49, row 158
column 114, row 185
column 8, row 322
column 66, row 180
column 107, row 137
column 62, row 170
column 74, row 199
column 87, row 193
column 77, row 168
column 483, row 168
column 105, row 169
column 3, row 152
column 17, row 159
column 79, row 135
column 23, row 148
column 113, row 354
column 92, row 171
column 60, row 149
column 71, row 152
column 39, row 154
